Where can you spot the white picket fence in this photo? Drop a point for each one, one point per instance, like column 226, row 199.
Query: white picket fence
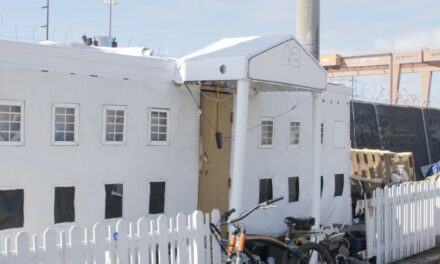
column 404, row 220
column 180, row 240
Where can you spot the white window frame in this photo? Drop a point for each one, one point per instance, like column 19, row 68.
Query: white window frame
column 289, row 134
column 22, row 105
column 261, row 132
column 104, row 125
column 155, row 142
column 76, row 134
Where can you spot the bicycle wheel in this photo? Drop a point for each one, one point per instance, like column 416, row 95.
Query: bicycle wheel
column 309, row 249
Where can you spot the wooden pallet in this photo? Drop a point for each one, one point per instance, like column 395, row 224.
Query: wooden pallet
column 377, row 164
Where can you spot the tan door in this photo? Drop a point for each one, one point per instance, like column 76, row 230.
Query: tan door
column 214, row 163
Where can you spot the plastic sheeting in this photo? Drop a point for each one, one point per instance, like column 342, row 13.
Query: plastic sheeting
column 64, row 208
column 339, row 184
column 294, row 189
column 11, row 209
column 398, row 129
column 364, row 129
column 402, row 130
column 266, row 190
column 157, row 197
column 113, row 200
column 432, row 120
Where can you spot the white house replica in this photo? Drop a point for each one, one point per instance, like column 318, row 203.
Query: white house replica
column 89, row 134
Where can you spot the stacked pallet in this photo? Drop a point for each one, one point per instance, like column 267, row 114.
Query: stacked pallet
column 372, row 167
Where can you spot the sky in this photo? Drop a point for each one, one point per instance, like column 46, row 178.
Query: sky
column 177, row 27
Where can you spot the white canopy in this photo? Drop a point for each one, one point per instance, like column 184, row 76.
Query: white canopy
column 279, row 60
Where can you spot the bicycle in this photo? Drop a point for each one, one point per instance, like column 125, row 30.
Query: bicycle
column 256, row 249
column 329, row 238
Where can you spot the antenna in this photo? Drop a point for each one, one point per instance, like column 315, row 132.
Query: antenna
column 110, row 3
column 47, row 19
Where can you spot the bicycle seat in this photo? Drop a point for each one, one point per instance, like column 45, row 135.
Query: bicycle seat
column 301, row 223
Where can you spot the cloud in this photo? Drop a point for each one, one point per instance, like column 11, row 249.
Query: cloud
column 409, row 42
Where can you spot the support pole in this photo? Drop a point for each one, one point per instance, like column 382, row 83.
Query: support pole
column 316, row 156
column 426, row 87
column 238, row 157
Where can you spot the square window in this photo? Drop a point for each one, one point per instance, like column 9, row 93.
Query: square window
column 158, row 133
column 294, row 133
column 11, row 208
column 64, row 208
column 266, row 133
column 266, row 190
column 339, row 184
column 11, row 122
column 114, row 124
column 293, row 189
column 65, row 122
column 113, row 200
column 157, row 198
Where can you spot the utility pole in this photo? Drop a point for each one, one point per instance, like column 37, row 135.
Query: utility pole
column 47, row 19
column 110, row 3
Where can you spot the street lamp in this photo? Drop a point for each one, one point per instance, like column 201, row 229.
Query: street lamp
column 110, row 3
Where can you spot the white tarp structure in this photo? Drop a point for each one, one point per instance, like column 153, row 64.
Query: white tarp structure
column 271, row 59
column 268, row 64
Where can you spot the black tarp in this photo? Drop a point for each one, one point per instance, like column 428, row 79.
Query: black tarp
column 64, row 208
column 432, row 119
column 339, row 184
column 157, row 198
column 11, row 209
column 364, row 130
column 293, row 189
column 113, row 200
column 402, row 130
column 266, row 190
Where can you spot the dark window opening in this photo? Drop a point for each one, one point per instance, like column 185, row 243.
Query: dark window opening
column 293, row 189
column 113, row 200
column 11, row 209
column 339, row 184
column 64, row 208
column 322, row 184
column 266, row 192
column 157, row 198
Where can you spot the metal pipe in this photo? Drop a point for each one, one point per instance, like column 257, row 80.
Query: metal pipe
column 307, row 25
column 316, row 159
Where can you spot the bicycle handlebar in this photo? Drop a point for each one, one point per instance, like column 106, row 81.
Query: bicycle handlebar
column 274, row 200
column 227, row 214
column 250, row 211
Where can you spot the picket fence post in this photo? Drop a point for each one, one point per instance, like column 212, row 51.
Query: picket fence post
column 185, row 239
column 403, row 222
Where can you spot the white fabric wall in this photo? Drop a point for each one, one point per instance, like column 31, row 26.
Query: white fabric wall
column 282, row 161
column 38, row 167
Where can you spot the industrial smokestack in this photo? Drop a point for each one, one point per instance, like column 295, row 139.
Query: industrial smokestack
column 307, row 25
